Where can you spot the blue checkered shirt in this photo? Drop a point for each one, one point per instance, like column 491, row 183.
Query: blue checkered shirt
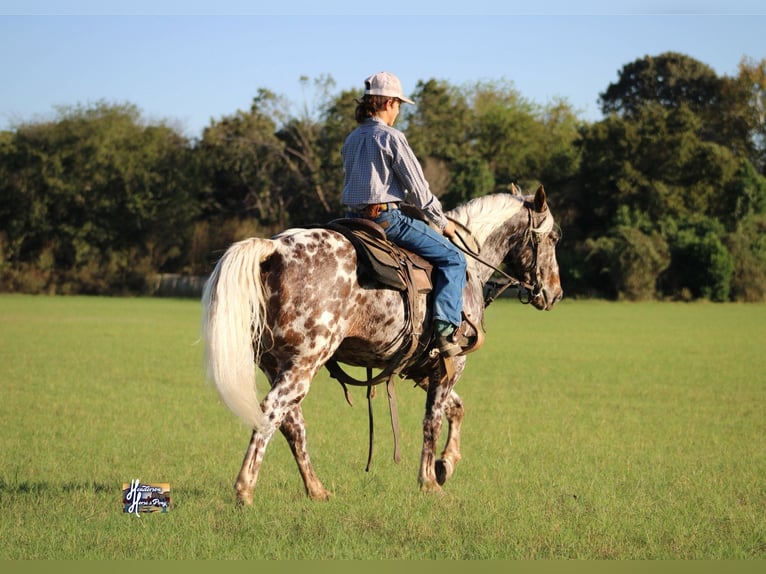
column 380, row 167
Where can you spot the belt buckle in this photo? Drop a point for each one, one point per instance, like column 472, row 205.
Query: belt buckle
column 373, row 210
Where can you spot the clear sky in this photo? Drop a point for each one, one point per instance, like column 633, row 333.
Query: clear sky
column 193, row 61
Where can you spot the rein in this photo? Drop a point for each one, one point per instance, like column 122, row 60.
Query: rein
column 533, row 235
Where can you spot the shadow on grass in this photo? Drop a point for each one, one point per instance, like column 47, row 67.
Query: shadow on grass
column 37, row 488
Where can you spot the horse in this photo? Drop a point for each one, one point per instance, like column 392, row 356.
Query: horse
column 290, row 304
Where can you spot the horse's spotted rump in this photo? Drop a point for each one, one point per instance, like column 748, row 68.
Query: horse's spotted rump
column 301, row 260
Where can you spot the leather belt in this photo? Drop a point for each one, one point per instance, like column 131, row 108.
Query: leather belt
column 373, row 210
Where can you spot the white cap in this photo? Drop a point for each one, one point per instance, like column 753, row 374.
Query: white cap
column 385, row 84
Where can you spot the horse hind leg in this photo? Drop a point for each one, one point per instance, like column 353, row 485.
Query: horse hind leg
column 284, row 397
column 293, row 428
column 248, row 473
column 450, row 456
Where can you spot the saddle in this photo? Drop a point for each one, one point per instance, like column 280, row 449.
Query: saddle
column 381, row 261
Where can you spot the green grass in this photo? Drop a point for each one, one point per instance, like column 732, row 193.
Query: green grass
column 597, row 431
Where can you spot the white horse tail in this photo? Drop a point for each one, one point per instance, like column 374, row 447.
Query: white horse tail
column 233, row 321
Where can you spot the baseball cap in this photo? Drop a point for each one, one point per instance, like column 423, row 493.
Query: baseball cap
column 385, row 84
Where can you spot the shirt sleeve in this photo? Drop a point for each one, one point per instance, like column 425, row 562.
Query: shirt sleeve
column 407, row 168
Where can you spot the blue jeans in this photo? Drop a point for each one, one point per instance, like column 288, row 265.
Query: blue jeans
column 448, row 261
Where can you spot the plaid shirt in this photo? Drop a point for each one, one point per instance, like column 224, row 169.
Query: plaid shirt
column 380, row 167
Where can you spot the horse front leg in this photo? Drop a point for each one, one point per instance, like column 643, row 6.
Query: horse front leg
column 439, row 388
column 450, row 456
column 293, row 428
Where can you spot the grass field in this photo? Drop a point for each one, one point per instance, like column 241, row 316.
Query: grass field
column 595, row 431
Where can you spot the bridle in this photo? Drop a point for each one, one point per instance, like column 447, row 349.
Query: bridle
column 534, row 236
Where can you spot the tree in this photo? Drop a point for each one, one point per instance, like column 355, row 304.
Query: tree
column 96, row 198
column 628, row 262
column 670, row 80
column 744, row 113
column 301, row 181
column 438, row 125
column 560, row 133
column 240, row 156
column 314, row 153
column 314, row 174
column 746, row 195
column 654, row 163
column 747, row 245
column 701, row 265
column 470, row 177
column 507, row 134
column 731, row 110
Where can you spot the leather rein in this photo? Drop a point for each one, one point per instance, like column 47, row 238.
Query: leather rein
column 533, row 235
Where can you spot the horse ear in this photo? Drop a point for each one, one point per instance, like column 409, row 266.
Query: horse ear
column 515, row 190
column 540, row 203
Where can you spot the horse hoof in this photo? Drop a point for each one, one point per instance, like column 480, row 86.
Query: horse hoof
column 443, row 470
column 320, row 496
column 430, row 487
column 244, row 498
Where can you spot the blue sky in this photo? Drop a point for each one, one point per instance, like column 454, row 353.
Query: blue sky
column 195, row 61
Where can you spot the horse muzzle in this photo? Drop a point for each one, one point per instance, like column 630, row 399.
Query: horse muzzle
column 545, row 299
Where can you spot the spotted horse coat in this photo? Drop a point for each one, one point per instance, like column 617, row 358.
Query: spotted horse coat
column 290, row 303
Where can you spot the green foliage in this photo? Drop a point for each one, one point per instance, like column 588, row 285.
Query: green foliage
column 507, row 133
column 627, row 262
column 238, row 155
column 742, row 122
column 671, row 80
column 471, row 177
column 728, row 111
column 747, row 246
column 480, row 138
column 656, row 164
column 560, row 132
column 677, row 146
column 746, row 193
column 97, row 201
column 337, row 121
column 701, row 264
column 100, row 197
column 440, row 124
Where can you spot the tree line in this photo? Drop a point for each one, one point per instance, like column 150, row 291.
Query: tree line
column 664, row 198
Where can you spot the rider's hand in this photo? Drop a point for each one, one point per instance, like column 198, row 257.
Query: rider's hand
column 449, row 229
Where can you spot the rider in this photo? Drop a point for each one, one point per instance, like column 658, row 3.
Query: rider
column 381, row 171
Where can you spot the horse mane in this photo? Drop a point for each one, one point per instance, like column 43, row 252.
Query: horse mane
column 482, row 215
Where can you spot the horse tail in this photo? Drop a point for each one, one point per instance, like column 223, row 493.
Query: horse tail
column 233, row 321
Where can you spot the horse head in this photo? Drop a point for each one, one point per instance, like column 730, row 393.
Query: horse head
column 533, row 259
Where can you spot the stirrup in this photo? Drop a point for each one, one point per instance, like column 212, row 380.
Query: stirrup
column 447, row 346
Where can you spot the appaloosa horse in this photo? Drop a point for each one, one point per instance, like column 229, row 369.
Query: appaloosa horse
column 290, row 304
